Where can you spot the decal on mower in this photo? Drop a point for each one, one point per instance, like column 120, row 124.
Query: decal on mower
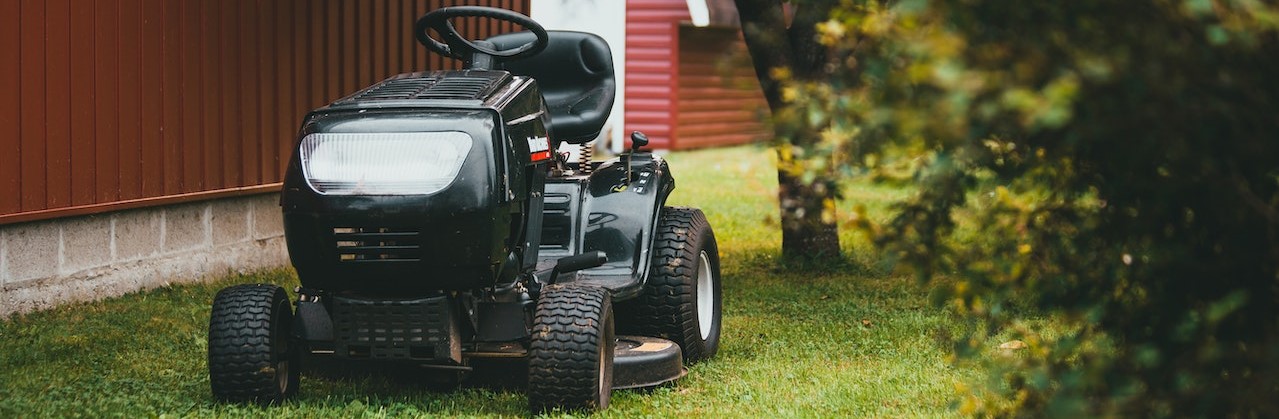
column 539, row 148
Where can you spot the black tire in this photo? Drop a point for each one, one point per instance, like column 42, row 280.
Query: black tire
column 571, row 355
column 251, row 358
column 684, row 249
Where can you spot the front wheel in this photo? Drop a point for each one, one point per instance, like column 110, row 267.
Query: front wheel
column 571, row 353
column 681, row 300
column 251, row 358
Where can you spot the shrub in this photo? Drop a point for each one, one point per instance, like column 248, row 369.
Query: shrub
column 1113, row 163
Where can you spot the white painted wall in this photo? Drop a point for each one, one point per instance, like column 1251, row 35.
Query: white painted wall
column 698, row 11
column 606, row 18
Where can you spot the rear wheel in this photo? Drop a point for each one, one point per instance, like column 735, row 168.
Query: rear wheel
column 681, row 300
column 251, row 358
column 571, row 355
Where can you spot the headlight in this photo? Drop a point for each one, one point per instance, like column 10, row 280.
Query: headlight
column 401, row 163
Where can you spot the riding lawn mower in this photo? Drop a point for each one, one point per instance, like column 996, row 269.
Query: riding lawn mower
column 432, row 222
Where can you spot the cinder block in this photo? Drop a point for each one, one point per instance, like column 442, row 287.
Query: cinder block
column 31, row 251
column 185, row 227
column 268, row 221
column 230, row 221
column 4, row 263
column 136, row 234
column 86, row 243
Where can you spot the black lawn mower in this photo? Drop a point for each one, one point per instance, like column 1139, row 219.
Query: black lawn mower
column 432, row 223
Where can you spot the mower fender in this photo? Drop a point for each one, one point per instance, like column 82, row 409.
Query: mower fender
column 619, row 215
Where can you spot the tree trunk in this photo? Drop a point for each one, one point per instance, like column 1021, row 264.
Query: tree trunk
column 806, row 234
column 806, row 209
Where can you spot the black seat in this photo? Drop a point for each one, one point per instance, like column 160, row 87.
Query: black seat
column 575, row 74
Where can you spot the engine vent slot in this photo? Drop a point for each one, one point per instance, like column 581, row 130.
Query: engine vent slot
column 446, row 85
column 398, row 89
column 458, row 87
column 371, row 244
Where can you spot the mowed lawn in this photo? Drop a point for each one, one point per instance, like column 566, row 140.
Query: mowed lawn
column 853, row 341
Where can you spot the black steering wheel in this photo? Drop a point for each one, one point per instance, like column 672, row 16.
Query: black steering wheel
column 458, row 47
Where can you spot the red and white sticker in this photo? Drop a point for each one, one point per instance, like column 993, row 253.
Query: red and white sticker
column 539, row 148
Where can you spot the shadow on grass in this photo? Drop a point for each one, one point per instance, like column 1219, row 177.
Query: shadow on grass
column 856, row 265
column 487, row 374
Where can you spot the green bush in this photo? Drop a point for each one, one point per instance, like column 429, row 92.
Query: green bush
column 1111, row 163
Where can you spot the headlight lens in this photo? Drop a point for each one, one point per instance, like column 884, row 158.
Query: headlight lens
column 400, row 163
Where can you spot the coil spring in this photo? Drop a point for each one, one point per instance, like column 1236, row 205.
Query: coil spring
column 584, row 161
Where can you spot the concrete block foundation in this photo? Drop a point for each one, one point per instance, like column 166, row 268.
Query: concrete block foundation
column 47, row 263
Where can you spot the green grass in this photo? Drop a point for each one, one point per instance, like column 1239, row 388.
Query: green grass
column 854, row 342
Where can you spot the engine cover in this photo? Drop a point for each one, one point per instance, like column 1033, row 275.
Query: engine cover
column 454, row 237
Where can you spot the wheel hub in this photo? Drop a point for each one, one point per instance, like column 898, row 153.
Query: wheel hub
column 705, row 296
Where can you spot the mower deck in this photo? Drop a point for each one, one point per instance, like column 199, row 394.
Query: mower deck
column 638, row 361
column 641, row 361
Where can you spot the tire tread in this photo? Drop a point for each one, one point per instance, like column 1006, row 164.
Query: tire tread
column 240, row 367
column 564, row 352
column 666, row 307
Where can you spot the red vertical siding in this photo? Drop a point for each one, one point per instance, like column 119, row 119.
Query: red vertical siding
column 651, row 41
column 380, row 38
column 130, row 152
column 332, row 68
column 305, row 57
column 84, row 164
column 171, row 124
column 153, row 78
column 58, row 104
column 345, row 17
column 32, row 94
column 10, row 108
column 419, row 54
column 365, row 46
column 251, row 111
column 192, row 93
column 106, row 86
column 267, row 76
column 211, row 72
column 171, row 100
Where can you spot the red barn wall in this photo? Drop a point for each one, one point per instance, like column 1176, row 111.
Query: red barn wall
column 686, row 86
column 718, row 98
column 651, row 50
column 113, row 104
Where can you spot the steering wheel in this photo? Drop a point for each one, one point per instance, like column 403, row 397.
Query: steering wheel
column 456, row 46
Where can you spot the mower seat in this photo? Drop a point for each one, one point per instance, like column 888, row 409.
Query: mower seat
column 575, row 75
